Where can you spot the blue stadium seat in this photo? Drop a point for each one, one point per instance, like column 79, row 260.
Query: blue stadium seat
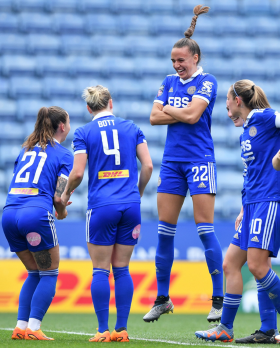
column 76, row 109
column 163, row 24
column 74, row 126
column 68, row 23
column 103, row 24
column 79, row 45
column 12, row 43
column 29, row 5
column 53, row 65
column 8, row 23
column 219, row 67
column 35, row 22
column 125, row 88
column 212, row 47
column 18, row 65
column 219, row 114
column 28, row 110
column 10, row 131
column 186, row 7
column 225, row 7
column 156, row 153
column 255, row 6
column 40, row 43
column 260, row 25
column 150, row 87
column 267, row 47
column 149, row 206
column 96, row 6
column 8, row 154
column 228, row 157
column 6, row 5
column 114, row 45
column 131, row 24
column 151, row 133
column 59, row 87
column 22, row 87
column 152, row 185
column 128, row 6
column 88, row 66
column 62, row 5
column 269, row 87
column 4, row 87
column 243, row 47
column 159, row 6
column 277, row 95
column 150, row 67
column 229, row 25
column 3, row 185
column 231, row 205
column 136, row 110
column 8, row 110
column 122, row 67
column 219, row 135
column 253, row 69
column 82, row 82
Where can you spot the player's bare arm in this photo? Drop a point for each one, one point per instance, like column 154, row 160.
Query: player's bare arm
column 190, row 114
column 75, row 177
column 158, row 117
column 59, row 207
column 146, row 166
column 276, row 161
column 239, row 218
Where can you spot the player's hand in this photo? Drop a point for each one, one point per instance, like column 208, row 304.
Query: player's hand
column 65, row 198
column 63, row 215
column 238, row 220
column 278, row 155
column 167, row 108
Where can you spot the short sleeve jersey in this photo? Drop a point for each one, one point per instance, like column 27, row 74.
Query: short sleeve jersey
column 260, row 142
column 35, row 176
column 243, row 192
column 110, row 143
column 189, row 142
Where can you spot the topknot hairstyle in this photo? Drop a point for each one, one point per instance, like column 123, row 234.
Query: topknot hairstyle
column 97, row 98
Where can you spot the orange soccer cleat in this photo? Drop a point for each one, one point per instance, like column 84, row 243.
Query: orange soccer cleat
column 101, row 337
column 18, row 334
column 120, row 336
column 36, row 335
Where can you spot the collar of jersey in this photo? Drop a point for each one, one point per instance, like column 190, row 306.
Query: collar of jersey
column 198, row 72
column 102, row 114
column 56, row 141
column 249, row 117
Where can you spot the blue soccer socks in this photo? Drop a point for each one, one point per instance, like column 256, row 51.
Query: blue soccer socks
column 213, row 255
column 267, row 310
column 43, row 294
column 26, row 293
column 100, row 293
column 230, row 308
column 164, row 256
column 123, row 295
column 271, row 284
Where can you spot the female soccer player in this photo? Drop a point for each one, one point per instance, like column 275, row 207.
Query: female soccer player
column 260, row 229
column 40, row 175
column 110, row 145
column 188, row 163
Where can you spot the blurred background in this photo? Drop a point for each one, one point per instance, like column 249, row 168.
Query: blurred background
column 50, row 50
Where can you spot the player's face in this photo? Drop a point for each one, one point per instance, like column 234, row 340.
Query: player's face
column 238, row 121
column 66, row 128
column 232, row 106
column 184, row 62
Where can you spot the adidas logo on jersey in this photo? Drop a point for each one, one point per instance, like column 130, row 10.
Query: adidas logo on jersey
column 215, row 272
column 272, row 296
column 171, row 90
column 236, row 236
column 255, row 239
column 201, row 185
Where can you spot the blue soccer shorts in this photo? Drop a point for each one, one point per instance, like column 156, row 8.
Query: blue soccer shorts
column 29, row 228
column 179, row 177
column 114, row 223
column 261, row 229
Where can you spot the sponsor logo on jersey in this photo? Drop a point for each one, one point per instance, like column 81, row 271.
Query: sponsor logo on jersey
column 33, row 238
column 171, row 90
column 191, row 90
column 207, row 88
column 236, row 236
column 215, row 272
column 159, row 181
column 113, row 174
column 201, row 185
column 255, row 239
column 24, row 191
column 160, row 91
column 253, row 131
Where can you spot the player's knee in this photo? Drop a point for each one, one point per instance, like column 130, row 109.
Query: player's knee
column 256, row 269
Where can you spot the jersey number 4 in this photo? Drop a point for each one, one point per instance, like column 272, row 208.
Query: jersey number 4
column 38, row 172
column 115, row 151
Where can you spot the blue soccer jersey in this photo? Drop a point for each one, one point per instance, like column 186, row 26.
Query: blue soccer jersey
column 189, row 142
column 243, row 192
column 260, row 142
column 35, row 176
column 110, row 143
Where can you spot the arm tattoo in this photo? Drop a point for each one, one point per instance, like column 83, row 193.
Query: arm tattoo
column 60, row 186
column 43, row 259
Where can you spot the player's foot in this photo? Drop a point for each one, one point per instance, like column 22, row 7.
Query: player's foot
column 18, row 334
column 36, row 335
column 120, row 335
column 101, row 337
column 163, row 305
column 218, row 333
column 216, row 310
column 258, row 337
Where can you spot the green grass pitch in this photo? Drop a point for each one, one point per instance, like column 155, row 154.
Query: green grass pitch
column 175, row 327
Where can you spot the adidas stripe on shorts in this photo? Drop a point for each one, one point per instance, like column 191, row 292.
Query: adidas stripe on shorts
column 179, row 177
column 261, row 227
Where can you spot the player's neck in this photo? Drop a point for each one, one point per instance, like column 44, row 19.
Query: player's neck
column 245, row 113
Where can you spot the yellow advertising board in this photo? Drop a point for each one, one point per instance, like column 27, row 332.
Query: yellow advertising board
column 190, row 287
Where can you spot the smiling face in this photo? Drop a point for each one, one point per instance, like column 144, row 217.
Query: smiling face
column 184, row 62
column 238, row 121
column 233, row 105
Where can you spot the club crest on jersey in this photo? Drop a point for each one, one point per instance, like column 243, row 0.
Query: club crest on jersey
column 160, row 91
column 207, row 88
column 159, row 181
column 253, row 131
column 171, row 90
column 191, row 90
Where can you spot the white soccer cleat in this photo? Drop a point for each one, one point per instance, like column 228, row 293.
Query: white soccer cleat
column 162, row 305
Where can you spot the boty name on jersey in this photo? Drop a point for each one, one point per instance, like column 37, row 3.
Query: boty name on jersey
column 178, row 102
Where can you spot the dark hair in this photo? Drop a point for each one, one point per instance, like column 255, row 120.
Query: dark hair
column 97, row 98
column 48, row 120
column 187, row 41
column 252, row 96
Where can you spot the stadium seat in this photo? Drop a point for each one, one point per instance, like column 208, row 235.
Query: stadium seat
column 220, row 68
column 163, row 24
column 8, row 23
column 228, row 157
column 219, row 114
column 219, row 135
column 225, row 7
column 241, row 47
column 156, row 153
column 96, row 6
column 4, row 87
column 41, row 44
column 260, row 26
column 150, row 88
column 27, row 110
column 186, row 7
column 10, row 131
column 153, row 67
column 79, row 45
column 231, row 205
column 53, row 66
column 8, row 154
column 149, row 206
column 82, row 82
column 212, row 47
column 249, row 7
column 76, row 109
column 229, row 180
column 103, row 24
column 8, row 110
column 122, row 67
column 2, row 182
column 68, row 23
column 159, row 6
column 74, row 126
column 233, row 133
column 138, row 111
column 113, row 45
column 230, row 25
column 125, row 88
column 29, row 5
column 6, row 5
column 87, row 66
column 59, row 87
column 35, row 22
column 12, row 43
column 152, row 185
column 22, row 87
column 267, row 47
column 151, row 133
column 128, row 6
column 62, row 5
column 18, row 65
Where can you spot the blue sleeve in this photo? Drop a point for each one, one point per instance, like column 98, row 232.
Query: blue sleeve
column 162, row 95
column 270, row 118
column 16, row 163
column 207, row 88
column 79, row 144
column 140, row 137
column 66, row 165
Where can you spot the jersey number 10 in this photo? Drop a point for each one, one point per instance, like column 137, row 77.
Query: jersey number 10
column 115, row 151
column 38, row 172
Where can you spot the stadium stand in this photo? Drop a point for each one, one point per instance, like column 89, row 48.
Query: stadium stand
column 50, row 50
